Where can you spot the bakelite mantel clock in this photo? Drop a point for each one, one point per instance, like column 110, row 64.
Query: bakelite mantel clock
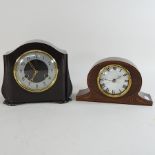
column 36, row 72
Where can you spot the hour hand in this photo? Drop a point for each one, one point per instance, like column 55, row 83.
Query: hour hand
column 32, row 66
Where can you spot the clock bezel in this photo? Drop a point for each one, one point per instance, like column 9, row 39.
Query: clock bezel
column 114, row 95
column 24, row 86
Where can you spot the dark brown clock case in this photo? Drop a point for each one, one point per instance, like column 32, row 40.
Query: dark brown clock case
column 134, row 96
column 60, row 92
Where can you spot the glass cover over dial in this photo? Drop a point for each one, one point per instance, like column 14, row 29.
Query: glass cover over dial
column 35, row 71
column 114, row 80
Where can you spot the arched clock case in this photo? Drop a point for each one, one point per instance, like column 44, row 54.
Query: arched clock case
column 130, row 94
column 36, row 72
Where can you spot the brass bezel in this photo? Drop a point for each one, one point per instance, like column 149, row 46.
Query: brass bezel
column 116, row 95
column 24, row 86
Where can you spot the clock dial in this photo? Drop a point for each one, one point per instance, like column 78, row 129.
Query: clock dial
column 35, row 71
column 114, row 80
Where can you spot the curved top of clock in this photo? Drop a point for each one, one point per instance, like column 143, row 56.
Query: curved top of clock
column 49, row 43
column 133, row 71
column 37, row 44
column 116, row 59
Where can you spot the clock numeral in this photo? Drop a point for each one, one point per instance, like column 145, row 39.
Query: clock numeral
column 107, row 90
column 23, row 78
column 23, row 63
column 28, row 58
column 44, row 83
column 120, row 70
column 124, row 86
column 49, row 78
column 20, row 70
column 126, row 80
column 49, row 63
column 103, row 85
column 36, row 85
column 120, row 91
column 113, row 92
column 108, row 69
column 114, row 68
column 36, row 56
column 43, row 57
column 125, row 74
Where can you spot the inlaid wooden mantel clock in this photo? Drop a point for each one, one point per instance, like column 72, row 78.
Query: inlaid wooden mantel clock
column 36, row 72
column 114, row 80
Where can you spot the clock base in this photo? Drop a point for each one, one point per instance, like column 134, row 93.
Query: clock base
column 20, row 103
column 139, row 99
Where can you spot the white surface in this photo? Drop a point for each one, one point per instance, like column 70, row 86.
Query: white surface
column 28, row 83
column 89, row 30
column 114, row 81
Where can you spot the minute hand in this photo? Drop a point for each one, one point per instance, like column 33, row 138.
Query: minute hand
column 34, row 75
column 118, row 77
column 107, row 80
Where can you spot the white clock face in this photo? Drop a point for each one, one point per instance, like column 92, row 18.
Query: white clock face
column 114, row 80
column 35, row 71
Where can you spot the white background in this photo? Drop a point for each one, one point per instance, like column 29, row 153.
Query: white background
column 89, row 30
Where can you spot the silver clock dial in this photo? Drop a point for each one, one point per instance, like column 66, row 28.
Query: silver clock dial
column 114, row 80
column 35, row 71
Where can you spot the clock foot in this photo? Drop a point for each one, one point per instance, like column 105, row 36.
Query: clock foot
column 144, row 99
column 9, row 103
